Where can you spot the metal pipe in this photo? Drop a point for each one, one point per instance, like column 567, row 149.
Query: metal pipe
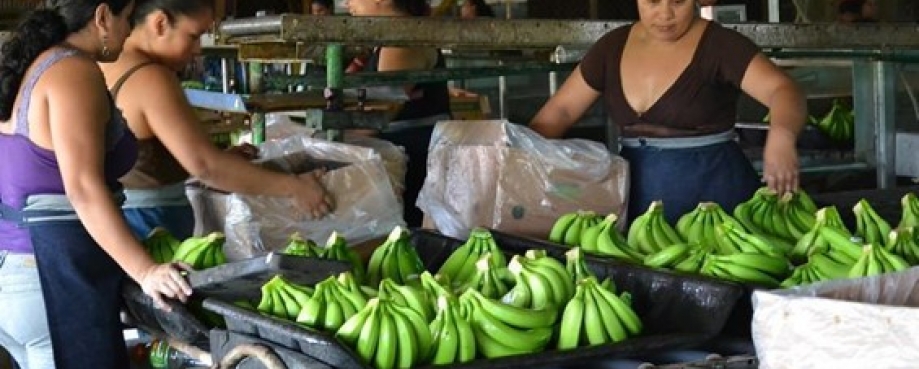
column 904, row 56
column 251, row 26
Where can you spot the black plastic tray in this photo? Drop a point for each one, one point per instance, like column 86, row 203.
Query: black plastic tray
column 667, row 301
column 244, row 278
column 678, row 312
column 232, row 281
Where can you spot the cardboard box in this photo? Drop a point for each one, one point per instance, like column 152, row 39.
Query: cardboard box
column 366, row 206
column 499, row 175
column 853, row 323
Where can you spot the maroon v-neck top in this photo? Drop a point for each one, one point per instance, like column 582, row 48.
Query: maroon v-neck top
column 702, row 100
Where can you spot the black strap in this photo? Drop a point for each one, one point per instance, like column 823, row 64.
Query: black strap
column 124, row 78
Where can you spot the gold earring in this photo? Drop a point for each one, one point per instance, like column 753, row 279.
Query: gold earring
column 105, row 50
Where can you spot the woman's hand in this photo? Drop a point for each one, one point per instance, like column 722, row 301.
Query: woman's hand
column 166, row 281
column 245, row 150
column 310, row 196
column 780, row 163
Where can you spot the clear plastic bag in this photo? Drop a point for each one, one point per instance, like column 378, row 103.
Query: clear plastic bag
column 366, row 204
column 501, row 175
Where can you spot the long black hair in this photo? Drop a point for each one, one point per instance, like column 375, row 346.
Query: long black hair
column 417, row 8
column 39, row 31
column 172, row 8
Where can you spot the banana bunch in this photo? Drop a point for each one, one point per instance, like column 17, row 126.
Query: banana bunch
column 698, row 226
column 453, row 339
column 408, row 296
column 350, row 283
column 297, row 246
column 202, row 252
column 578, row 270
column 387, row 335
column 596, row 316
column 489, row 281
column 839, row 246
column 748, row 267
column 869, row 225
column 650, row 232
column 818, row 268
column 504, row 330
column 161, row 245
column 395, row 259
column 875, row 260
column 903, row 242
column 336, row 248
column 813, row 239
column 435, row 286
column 568, row 228
column 331, row 304
column 786, row 217
column 604, row 239
column 731, row 238
column 684, row 257
column 460, row 265
column 838, row 123
column 910, row 215
column 282, row 298
column 540, row 281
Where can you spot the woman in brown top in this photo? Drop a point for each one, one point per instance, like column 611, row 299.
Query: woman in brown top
column 670, row 81
column 172, row 146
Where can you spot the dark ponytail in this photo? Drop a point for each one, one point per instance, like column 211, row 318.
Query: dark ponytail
column 38, row 32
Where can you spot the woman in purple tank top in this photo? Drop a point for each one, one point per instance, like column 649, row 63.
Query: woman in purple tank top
column 66, row 146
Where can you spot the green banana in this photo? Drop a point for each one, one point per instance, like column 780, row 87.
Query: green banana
column 869, row 225
column 669, row 256
column 395, row 259
column 627, row 316
column 298, row 246
column 445, row 335
column 518, row 317
column 557, row 233
column 569, row 333
column 903, row 242
column 336, row 248
column 194, row 250
column 161, row 245
column 909, row 217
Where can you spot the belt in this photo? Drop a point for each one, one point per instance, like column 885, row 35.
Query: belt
column 168, row 195
column 45, row 208
column 400, row 125
column 679, row 142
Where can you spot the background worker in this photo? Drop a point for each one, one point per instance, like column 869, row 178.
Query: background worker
column 667, row 83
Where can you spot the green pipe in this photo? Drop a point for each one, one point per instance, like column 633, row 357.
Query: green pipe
column 902, row 56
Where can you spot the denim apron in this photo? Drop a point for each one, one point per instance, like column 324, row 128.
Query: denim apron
column 81, row 284
column 682, row 172
column 166, row 207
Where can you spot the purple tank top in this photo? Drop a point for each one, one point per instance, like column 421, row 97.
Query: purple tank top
column 30, row 170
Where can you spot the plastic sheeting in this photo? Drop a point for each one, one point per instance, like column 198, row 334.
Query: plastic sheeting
column 504, row 176
column 366, row 204
column 853, row 323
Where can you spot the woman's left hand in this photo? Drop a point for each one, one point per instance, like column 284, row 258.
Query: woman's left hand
column 780, row 163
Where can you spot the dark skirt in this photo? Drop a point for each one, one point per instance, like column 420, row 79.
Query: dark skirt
column 682, row 178
column 179, row 220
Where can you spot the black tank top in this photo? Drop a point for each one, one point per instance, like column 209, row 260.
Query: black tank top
column 428, row 98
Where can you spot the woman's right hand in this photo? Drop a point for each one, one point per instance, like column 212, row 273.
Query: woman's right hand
column 310, row 196
column 162, row 281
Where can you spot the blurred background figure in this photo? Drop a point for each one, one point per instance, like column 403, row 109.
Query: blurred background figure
column 322, row 7
column 856, row 11
column 476, row 8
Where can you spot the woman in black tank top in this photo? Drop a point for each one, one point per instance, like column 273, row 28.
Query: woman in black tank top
column 428, row 102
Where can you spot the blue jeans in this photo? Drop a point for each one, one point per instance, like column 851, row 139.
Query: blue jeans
column 682, row 178
column 24, row 325
column 178, row 220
